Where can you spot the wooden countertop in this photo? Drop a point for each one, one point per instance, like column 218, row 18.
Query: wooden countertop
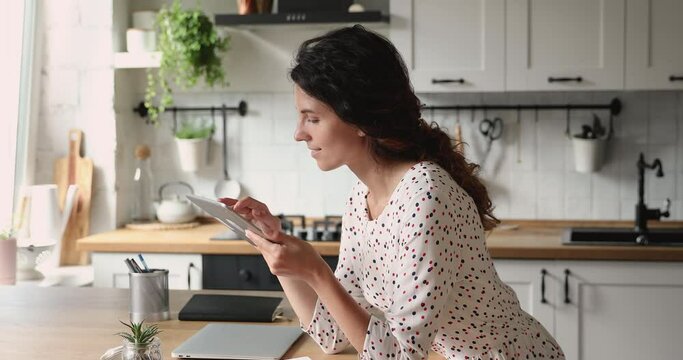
column 62, row 323
column 514, row 239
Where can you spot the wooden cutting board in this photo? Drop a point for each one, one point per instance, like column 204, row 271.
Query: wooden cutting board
column 74, row 169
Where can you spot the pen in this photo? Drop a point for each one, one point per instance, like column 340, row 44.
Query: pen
column 144, row 264
column 129, row 265
column 135, row 265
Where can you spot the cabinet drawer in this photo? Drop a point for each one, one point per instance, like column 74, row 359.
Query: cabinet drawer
column 242, row 272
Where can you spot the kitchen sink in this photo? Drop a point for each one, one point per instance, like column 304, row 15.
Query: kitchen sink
column 621, row 236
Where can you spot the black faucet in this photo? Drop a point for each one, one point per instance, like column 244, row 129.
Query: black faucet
column 643, row 214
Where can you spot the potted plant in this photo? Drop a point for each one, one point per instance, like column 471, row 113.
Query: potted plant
column 589, row 146
column 192, row 140
column 190, row 49
column 140, row 342
column 8, row 258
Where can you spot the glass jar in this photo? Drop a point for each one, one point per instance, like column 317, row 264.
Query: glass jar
column 149, row 351
column 142, row 209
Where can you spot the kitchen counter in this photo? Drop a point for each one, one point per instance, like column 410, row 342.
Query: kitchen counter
column 512, row 240
column 80, row 323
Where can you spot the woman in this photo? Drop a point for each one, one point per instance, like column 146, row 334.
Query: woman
column 414, row 274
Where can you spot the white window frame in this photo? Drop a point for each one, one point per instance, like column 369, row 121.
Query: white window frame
column 19, row 71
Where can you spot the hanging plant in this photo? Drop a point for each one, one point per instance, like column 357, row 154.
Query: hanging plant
column 190, row 49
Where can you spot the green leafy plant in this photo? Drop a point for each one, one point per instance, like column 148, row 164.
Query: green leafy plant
column 138, row 333
column 190, row 49
column 194, row 130
column 6, row 234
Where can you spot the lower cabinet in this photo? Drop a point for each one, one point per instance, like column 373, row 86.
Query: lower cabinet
column 184, row 270
column 603, row 309
column 243, row 272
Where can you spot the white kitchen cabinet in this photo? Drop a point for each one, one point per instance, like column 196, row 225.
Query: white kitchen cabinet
column 451, row 45
column 565, row 44
column 654, row 50
column 111, row 271
column 620, row 310
column 535, row 290
column 615, row 310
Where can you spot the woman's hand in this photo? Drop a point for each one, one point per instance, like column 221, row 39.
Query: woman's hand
column 256, row 212
column 286, row 255
column 291, row 257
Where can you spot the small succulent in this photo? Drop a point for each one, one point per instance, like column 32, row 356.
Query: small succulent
column 139, row 334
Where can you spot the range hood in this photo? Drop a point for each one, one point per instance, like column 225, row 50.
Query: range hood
column 313, row 17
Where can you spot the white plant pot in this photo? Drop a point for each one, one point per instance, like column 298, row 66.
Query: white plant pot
column 141, row 40
column 589, row 154
column 192, row 153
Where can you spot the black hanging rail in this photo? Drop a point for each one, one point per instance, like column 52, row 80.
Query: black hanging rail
column 614, row 107
column 241, row 109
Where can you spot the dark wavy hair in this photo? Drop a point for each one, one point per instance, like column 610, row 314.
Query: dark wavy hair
column 363, row 78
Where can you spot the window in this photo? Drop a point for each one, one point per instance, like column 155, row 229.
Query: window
column 17, row 20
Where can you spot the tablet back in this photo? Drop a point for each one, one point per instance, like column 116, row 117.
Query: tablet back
column 225, row 215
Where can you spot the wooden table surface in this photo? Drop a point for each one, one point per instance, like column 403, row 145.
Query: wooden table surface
column 62, row 323
column 515, row 239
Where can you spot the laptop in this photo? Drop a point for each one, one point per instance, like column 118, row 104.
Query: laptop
column 238, row 341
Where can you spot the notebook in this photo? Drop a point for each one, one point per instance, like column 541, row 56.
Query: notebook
column 238, row 341
column 210, row 307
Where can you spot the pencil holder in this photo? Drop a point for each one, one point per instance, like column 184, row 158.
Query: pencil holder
column 149, row 296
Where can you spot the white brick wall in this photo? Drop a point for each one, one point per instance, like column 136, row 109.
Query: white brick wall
column 77, row 85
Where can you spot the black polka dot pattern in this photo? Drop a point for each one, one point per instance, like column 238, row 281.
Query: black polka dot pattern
column 423, row 271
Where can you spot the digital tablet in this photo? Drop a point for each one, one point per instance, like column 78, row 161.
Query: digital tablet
column 226, row 216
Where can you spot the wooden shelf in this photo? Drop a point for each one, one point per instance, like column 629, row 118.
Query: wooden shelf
column 313, row 20
column 137, row 60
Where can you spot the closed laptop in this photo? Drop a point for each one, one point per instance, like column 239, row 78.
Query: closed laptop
column 238, row 341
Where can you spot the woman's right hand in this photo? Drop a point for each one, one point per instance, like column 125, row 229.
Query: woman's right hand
column 256, row 212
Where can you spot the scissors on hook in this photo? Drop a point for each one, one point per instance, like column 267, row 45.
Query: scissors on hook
column 492, row 130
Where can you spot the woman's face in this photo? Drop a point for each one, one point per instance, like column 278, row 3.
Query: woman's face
column 332, row 142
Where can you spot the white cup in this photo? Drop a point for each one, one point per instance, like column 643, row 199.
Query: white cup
column 140, row 40
column 144, row 20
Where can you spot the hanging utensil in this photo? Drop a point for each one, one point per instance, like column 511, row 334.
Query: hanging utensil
column 492, row 131
column 566, row 131
column 210, row 139
column 226, row 187
column 519, row 135
column 458, row 134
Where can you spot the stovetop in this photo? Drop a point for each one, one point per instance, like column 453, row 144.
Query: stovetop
column 327, row 229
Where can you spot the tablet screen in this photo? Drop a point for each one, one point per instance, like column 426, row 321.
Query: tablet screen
column 226, row 216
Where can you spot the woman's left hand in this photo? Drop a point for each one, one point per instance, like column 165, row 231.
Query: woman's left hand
column 290, row 257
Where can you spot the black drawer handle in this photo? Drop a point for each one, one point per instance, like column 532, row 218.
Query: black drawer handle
column 675, row 78
column 544, row 272
column 448, row 81
column 565, row 79
column 567, row 300
column 244, row 274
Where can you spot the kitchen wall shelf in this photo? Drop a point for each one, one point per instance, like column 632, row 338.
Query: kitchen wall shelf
column 139, row 60
column 319, row 19
column 614, row 107
column 241, row 109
